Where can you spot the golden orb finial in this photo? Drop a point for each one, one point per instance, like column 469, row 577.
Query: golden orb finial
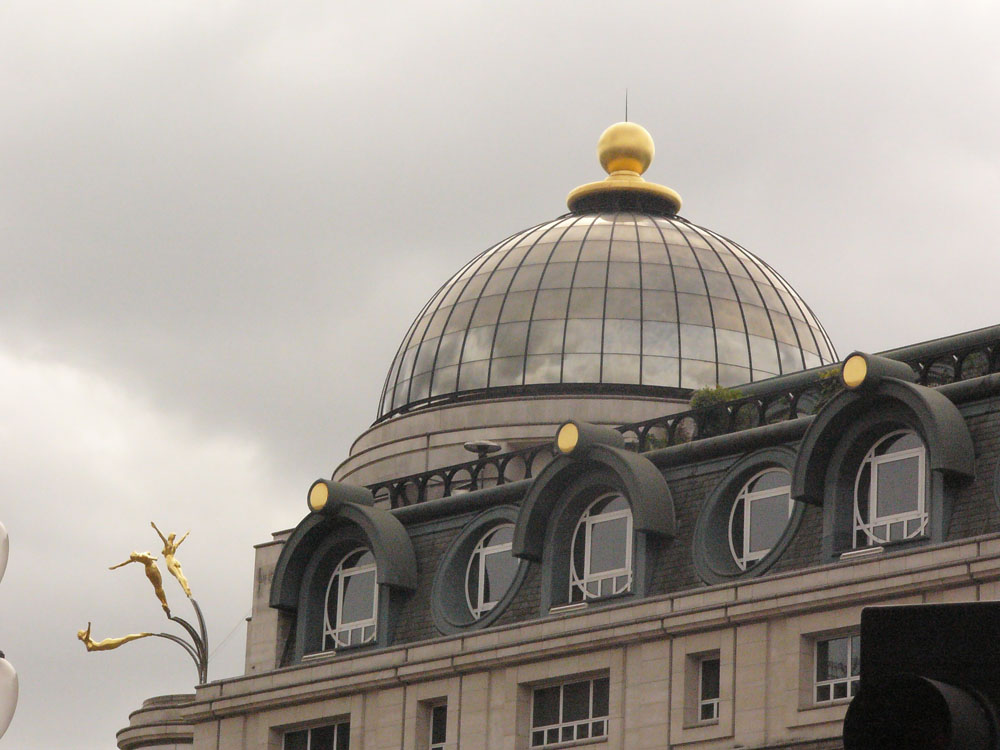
column 625, row 147
column 625, row 151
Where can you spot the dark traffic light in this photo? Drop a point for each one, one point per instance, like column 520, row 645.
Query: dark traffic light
column 930, row 679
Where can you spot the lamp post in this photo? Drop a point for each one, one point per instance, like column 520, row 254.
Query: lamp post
column 8, row 677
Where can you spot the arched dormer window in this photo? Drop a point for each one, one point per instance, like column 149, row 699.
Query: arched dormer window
column 342, row 573
column 883, row 461
column 595, row 518
column 351, row 612
column 602, row 550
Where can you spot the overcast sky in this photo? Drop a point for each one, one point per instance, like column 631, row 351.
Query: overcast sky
column 217, row 219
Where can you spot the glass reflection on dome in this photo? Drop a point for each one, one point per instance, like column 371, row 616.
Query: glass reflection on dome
column 633, row 299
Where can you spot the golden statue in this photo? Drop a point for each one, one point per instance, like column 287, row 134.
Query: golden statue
column 172, row 563
column 152, row 573
column 108, row 643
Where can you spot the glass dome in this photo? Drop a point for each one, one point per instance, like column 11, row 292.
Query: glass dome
column 604, row 301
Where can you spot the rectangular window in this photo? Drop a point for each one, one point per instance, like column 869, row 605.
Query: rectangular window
column 838, row 667
column 708, row 690
column 329, row 737
column 438, row 726
column 568, row 712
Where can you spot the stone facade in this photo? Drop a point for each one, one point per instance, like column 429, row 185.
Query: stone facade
column 762, row 627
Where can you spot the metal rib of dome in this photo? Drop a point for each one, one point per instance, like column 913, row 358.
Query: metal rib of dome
column 604, row 302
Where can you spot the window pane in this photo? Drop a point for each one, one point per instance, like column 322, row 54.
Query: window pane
column 768, row 518
column 344, row 736
column 900, row 443
column 582, row 368
column 623, row 303
column 831, row 659
column 542, row 368
column 770, row 480
column 736, row 527
column 472, row 581
column 579, row 550
column 863, row 490
column 322, row 738
column 591, row 274
column 764, row 353
column 576, row 701
column 660, row 371
column 473, row 375
column 545, row 710
column 503, row 535
column 855, row 655
column 583, row 336
column 507, row 371
column 546, row 337
column 620, row 368
column 710, row 680
column 621, row 336
column 439, row 723
column 697, row 342
column 510, row 340
column 601, row 697
column 499, row 574
column 898, row 486
column 608, row 545
column 296, row 740
column 359, row 597
column 551, row 304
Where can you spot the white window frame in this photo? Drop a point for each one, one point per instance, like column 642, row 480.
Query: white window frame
column 482, row 606
column 711, row 703
column 876, row 522
column 344, row 633
column 745, row 558
column 575, row 725
column 578, row 585
column 431, row 744
column 851, row 681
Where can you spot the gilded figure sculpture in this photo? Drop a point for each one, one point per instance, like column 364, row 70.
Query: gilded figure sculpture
column 172, row 563
column 152, row 573
column 108, row 643
column 197, row 646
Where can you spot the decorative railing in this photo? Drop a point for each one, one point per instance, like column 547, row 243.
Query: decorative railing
column 779, row 399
